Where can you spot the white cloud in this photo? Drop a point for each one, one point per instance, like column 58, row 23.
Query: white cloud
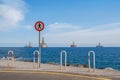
column 107, row 34
column 107, row 26
column 61, row 27
column 28, row 27
column 11, row 13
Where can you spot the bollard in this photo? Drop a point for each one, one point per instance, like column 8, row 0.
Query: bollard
column 10, row 52
column 65, row 53
column 89, row 68
column 39, row 61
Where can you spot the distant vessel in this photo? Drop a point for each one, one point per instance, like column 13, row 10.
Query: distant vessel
column 29, row 45
column 99, row 45
column 73, row 45
column 43, row 45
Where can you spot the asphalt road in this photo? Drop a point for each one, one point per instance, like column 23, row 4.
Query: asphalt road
column 32, row 75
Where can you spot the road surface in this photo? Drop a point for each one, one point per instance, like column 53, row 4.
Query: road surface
column 41, row 75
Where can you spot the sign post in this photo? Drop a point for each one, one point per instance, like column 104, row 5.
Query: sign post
column 39, row 26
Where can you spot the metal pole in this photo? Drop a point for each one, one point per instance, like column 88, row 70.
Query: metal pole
column 61, row 60
column 39, row 40
column 8, row 59
column 39, row 61
column 61, row 54
column 94, row 61
column 65, row 59
column 89, row 68
column 89, row 62
column 33, row 60
column 12, row 64
column 12, row 58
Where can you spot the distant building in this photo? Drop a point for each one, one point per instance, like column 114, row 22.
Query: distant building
column 99, row 45
column 43, row 44
column 73, row 44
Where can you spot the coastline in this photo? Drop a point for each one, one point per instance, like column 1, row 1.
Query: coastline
column 25, row 65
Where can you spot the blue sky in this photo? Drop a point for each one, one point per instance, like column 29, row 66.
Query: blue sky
column 87, row 22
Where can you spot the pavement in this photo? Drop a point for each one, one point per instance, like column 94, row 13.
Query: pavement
column 20, row 70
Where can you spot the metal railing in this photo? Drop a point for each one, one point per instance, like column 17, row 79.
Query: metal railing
column 89, row 68
column 11, row 53
column 61, row 54
column 39, row 61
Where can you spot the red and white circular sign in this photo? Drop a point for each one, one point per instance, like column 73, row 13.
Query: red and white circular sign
column 39, row 26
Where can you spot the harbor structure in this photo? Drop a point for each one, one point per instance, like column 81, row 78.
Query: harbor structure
column 29, row 45
column 73, row 44
column 43, row 44
column 99, row 45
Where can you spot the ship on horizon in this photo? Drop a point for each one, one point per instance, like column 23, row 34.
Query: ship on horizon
column 29, row 45
column 73, row 44
column 99, row 45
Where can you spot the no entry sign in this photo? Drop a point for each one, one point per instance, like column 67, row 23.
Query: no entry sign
column 39, row 26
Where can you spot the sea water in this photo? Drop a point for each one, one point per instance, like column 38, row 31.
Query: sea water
column 105, row 56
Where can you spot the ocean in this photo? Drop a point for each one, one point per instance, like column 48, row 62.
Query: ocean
column 105, row 56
